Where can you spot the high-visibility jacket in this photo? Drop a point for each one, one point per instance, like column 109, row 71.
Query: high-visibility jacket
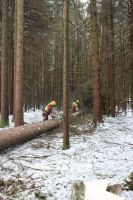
column 78, row 104
column 48, row 108
column 74, row 107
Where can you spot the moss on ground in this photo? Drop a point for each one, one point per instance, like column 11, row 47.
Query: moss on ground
column 4, row 123
column 128, row 182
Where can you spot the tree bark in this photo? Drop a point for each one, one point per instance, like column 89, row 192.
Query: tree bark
column 11, row 59
column 4, row 65
column 19, row 65
column 112, row 64
column 105, row 57
column 65, row 79
column 131, row 48
column 14, row 51
column 21, row 134
column 97, row 116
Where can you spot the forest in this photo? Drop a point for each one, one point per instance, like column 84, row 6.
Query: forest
column 66, row 99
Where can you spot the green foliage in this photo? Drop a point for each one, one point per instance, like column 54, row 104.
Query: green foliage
column 73, row 129
column 128, row 182
column 2, row 183
column 37, row 145
column 4, row 123
column 40, row 195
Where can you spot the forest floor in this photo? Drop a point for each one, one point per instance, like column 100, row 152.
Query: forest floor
column 40, row 169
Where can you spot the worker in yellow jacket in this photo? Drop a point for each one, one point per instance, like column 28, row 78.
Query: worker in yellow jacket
column 48, row 110
column 75, row 106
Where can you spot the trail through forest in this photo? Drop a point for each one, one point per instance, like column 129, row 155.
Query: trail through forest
column 40, row 169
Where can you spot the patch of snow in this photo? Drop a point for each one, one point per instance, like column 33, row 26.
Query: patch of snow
column 43, row 166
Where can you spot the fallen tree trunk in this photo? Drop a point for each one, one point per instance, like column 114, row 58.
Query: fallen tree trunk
column 13, row 136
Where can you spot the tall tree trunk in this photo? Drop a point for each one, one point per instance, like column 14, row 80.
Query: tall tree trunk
column 15, row 49
column 112, row 64
column 131, row 48
column 105, row 56
column 65, row 79
column 19, row 65
column 97, row 116
column 4, row 65
column 11, row 58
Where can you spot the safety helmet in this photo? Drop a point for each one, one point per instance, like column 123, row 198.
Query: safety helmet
column 74, row 104
column 53, row 103
column 77, row 101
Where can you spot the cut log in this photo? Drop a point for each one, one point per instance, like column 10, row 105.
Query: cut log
column 116, row 189
column 13, row 136
column 93, row 190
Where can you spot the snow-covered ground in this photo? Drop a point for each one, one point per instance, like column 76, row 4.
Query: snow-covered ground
column 40, row 168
